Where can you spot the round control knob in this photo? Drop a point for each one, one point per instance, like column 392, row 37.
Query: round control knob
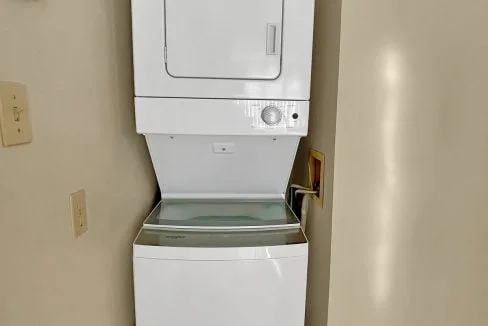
column 271, row 115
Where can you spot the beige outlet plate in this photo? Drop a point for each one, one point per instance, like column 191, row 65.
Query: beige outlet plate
column 15, row 122
column 78, row 212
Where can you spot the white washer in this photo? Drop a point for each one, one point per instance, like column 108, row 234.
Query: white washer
column 223, row 248
column 198, row 263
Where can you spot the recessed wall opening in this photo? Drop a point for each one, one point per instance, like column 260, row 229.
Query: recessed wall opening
column 316, row 168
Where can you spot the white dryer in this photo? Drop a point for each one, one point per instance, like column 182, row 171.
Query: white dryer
column 252, row 49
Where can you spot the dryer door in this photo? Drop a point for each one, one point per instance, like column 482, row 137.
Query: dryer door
column 223, row 39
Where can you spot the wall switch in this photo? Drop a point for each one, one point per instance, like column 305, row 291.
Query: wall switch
column 78, row 212
column 15, row 123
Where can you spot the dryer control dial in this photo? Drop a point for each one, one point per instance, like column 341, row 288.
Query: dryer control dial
column 271, row 115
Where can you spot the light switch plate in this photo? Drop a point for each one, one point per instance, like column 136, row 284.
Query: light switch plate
column 78, row 212
column 15, row 122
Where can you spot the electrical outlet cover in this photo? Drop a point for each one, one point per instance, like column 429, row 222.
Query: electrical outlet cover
column 78, row 212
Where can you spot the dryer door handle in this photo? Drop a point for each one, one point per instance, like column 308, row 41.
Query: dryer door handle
column 272, row 33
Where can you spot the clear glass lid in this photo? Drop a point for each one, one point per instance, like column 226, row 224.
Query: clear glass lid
column 221, row 214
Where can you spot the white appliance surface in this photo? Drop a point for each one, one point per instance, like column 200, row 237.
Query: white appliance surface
column 223, row 48
column 220, row 278
column 223, row 214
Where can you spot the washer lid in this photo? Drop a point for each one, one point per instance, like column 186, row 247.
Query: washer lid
column 221, row 214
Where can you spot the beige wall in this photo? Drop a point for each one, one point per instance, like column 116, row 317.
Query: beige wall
column 321, row 137
column 75, row 57
column 409, row 217
column 410, row 214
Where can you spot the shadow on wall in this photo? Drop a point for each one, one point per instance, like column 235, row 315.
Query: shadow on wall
column 323, row 109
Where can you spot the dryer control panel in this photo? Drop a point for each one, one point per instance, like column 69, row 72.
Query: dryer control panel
column 277, row 114
column 221, row 117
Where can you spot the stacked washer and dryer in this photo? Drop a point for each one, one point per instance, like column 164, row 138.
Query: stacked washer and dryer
column 222, row 97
